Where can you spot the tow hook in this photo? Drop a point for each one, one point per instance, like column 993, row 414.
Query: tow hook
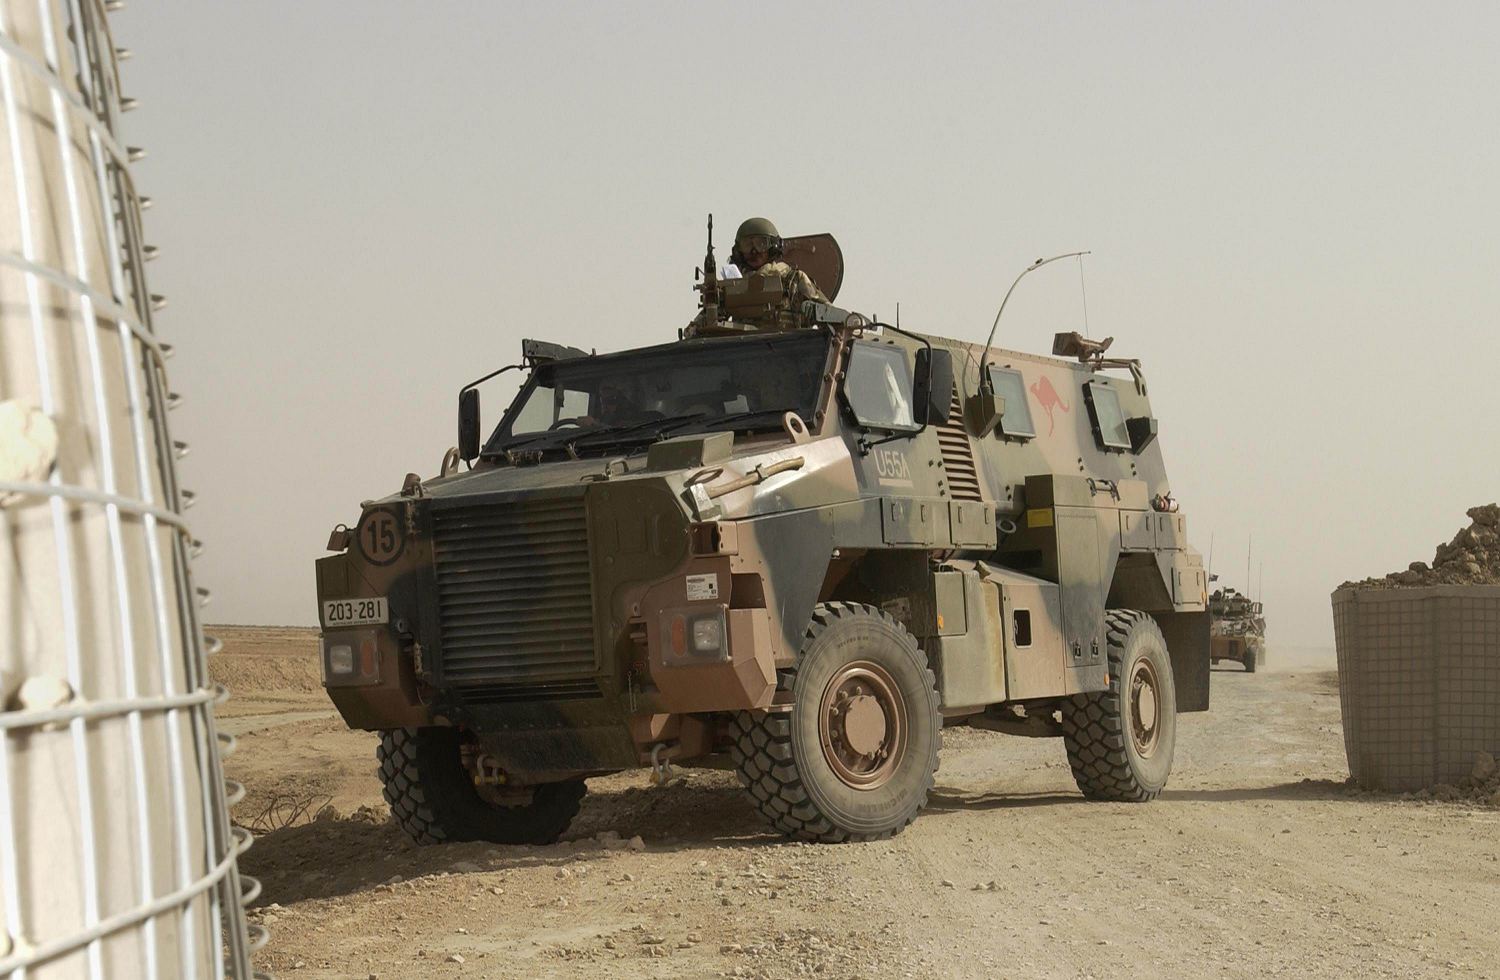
column 661, row 769
column 487, row 772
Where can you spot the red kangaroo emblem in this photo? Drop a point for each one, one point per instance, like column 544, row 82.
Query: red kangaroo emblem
column 1048, row 398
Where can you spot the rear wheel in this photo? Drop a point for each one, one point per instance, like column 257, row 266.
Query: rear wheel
column 1120, row 740
column 1250, row 660
column 854, row 758
column 433, row 797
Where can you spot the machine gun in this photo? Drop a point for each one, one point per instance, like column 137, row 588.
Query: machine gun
column 754, row 303
column 1091, row 352
column 709, row 287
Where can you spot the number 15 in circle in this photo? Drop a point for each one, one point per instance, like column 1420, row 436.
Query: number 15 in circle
column 380, row 538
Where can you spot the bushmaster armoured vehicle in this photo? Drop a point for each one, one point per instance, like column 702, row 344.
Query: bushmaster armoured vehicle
column 1239, row 629
column 807, row 549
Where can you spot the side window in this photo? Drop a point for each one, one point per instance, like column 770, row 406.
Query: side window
column 1107, row 416
column 1016, row 421
column 877, row 387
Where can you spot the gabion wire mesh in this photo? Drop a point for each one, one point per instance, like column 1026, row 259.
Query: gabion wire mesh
column 117, row 858
column 1419, row 682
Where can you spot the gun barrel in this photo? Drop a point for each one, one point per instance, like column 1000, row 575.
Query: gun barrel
column 710, row 284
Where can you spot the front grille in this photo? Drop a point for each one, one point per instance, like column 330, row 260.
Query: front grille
column 515, row 599
column 555, row 691
column 958, row 454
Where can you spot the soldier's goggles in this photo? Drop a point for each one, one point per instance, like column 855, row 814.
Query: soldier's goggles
column 756, row 243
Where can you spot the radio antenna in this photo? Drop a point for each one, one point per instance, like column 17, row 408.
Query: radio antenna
column 1083, row 290
column 984, row 380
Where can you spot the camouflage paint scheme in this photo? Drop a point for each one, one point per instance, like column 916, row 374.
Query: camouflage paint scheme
column 952, row 532
column 1239, row 629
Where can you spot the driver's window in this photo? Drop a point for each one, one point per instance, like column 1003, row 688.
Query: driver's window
column 878, row 387
column 575, row 404
column 546, row 406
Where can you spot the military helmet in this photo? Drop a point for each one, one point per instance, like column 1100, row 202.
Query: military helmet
column 752, row 228
column 756, row 226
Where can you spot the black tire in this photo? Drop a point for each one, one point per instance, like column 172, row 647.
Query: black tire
column 1110, row 758
column 1250, row 660
column 781, row 759
column 435, row 802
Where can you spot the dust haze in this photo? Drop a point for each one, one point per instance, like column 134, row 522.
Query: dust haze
column 1290, row 211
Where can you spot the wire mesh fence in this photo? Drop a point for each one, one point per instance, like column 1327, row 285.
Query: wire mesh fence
column 117, row 858
column 1419, row 682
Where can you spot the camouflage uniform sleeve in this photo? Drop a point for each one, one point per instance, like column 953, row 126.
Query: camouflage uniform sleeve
column 805, row 289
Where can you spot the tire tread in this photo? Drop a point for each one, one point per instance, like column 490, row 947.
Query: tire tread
column 1094, row 725
column 433, row 802
column 763, row 753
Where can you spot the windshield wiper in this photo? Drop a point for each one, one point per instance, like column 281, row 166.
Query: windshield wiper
column 537, row 441
column 648, row 428
column 590, row 435
column 744, row 421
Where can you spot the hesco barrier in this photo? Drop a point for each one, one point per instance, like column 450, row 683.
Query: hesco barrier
column 1419, row 681
column 117, row 859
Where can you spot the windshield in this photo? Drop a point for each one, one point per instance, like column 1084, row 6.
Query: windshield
column 639, row 394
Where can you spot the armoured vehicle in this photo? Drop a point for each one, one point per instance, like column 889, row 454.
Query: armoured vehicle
column 808, row 547
column 1239, row 629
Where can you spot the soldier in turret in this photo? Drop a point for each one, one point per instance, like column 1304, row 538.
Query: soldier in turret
column 757, row 251
column 757, row 290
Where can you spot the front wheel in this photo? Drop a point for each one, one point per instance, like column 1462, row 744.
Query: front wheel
column 854, row 758
column 1120, row 740
column 434, row 799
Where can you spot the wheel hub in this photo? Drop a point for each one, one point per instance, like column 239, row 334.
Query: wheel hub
column 862, row 725
column 1145, row 707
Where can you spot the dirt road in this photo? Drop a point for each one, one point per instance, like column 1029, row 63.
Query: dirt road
column 1256, row 861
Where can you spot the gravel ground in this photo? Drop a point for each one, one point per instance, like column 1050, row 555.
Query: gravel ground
column 1257, row 861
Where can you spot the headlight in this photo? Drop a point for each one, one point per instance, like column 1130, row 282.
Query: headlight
column 351, row 657
column 708, row 635
column 693, row 636
column 340, row 659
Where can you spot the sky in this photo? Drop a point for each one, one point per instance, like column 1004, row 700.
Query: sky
column 1291, row 209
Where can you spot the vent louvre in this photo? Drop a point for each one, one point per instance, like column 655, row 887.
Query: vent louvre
column 958, row 454
column 515, row 598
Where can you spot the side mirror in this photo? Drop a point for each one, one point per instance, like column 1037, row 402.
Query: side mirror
column 933, row 389
column 468, row 424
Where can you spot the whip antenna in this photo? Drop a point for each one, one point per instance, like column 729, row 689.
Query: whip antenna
column 1083, row 290
column 984, row 379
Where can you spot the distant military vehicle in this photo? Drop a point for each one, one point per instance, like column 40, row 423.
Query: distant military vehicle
column 809, row 546
column 1239, row 629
